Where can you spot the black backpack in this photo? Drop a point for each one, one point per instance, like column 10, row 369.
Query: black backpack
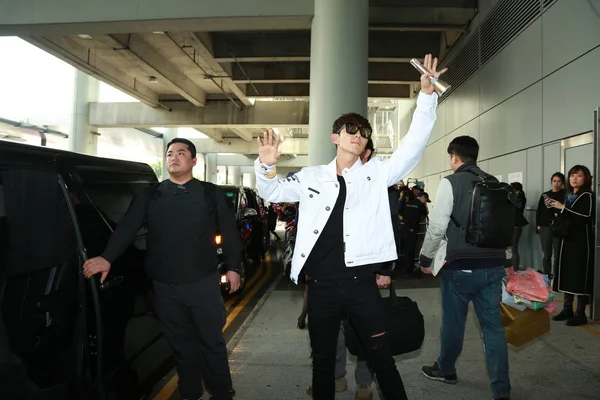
column 492, row 213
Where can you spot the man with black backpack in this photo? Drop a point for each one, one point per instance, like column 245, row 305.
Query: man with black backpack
column 476, row 214
column 182, row 216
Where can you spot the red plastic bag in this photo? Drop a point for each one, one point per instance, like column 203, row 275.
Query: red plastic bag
column 528, row 284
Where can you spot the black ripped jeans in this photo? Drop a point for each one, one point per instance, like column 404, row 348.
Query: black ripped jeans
column 328, row 302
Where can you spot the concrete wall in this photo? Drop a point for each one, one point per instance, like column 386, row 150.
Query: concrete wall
column 532, row 94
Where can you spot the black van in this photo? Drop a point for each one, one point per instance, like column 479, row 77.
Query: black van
column 63, row 336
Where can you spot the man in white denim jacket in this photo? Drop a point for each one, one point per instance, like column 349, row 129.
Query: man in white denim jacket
column 345, row 232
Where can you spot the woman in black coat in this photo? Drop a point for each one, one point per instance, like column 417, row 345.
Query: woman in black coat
column 576, row 252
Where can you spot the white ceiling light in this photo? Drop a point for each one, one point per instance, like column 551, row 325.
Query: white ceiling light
column 84, row 36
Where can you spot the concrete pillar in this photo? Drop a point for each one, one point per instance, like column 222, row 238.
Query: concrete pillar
column 168, row 135
column 338, row 70
column 251, row 183
column 211, row 167
column 235, row 174
column 81, row 138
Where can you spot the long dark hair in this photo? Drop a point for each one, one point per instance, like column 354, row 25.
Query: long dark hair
column 587, row 179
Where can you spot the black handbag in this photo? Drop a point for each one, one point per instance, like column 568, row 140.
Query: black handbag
column 406, row 327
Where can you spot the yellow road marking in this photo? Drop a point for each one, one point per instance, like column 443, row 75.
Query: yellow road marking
column 250, row 295
column 248, row 284
column 167, row 391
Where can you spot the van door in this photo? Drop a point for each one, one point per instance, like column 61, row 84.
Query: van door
column 40, row 303
column 135, row 350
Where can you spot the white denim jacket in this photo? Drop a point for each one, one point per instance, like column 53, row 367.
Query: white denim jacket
column 367, row 230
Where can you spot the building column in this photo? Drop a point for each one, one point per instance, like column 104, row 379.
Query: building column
column 168, row 135
column 82, row 138
column 211, row 168
column 338, row 70
column 251, row 181
column 236, row 175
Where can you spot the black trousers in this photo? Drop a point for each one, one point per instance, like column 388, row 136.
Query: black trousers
column 192, row 317
column 516, row 259
column 550, row 247
column 408, row 239
column 359, row 299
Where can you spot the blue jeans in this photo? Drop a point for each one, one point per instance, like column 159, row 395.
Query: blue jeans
column 484, row 288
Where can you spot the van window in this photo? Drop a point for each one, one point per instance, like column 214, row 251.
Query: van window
column 110, row 193
column 37, row 218
column 251, row 199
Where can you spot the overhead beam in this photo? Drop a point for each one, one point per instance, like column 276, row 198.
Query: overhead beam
column 301, row 91
column 295, row 46
column 242, row 133
column 133, row 45
column 288, row 146
column 240, row 160
column 400, row 16
column 419, row 28
column 299, row 72
column 150, row 15
column 87, row 60
column 203, row 46
column 216, row 114
column 424, row 3
column 212, row 133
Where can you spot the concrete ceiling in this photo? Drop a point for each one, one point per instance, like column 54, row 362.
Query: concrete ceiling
column 174, row 66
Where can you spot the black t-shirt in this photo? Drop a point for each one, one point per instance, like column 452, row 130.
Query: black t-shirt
column 326, row 260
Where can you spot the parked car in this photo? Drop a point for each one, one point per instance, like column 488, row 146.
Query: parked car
column 63, row 336
column 250, row 214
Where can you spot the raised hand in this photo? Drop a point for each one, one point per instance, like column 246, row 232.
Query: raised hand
column 431, row 66
column 268, row 147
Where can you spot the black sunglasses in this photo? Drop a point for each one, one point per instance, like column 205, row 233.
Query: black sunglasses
column 353, row 129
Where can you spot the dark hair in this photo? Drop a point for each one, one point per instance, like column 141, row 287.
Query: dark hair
column 558, row 175
column 350, row 118
column 409, row 195
column 188, row 143
column 371, row 147
column 517, row 186
column 465, row 147
column 587, row 179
